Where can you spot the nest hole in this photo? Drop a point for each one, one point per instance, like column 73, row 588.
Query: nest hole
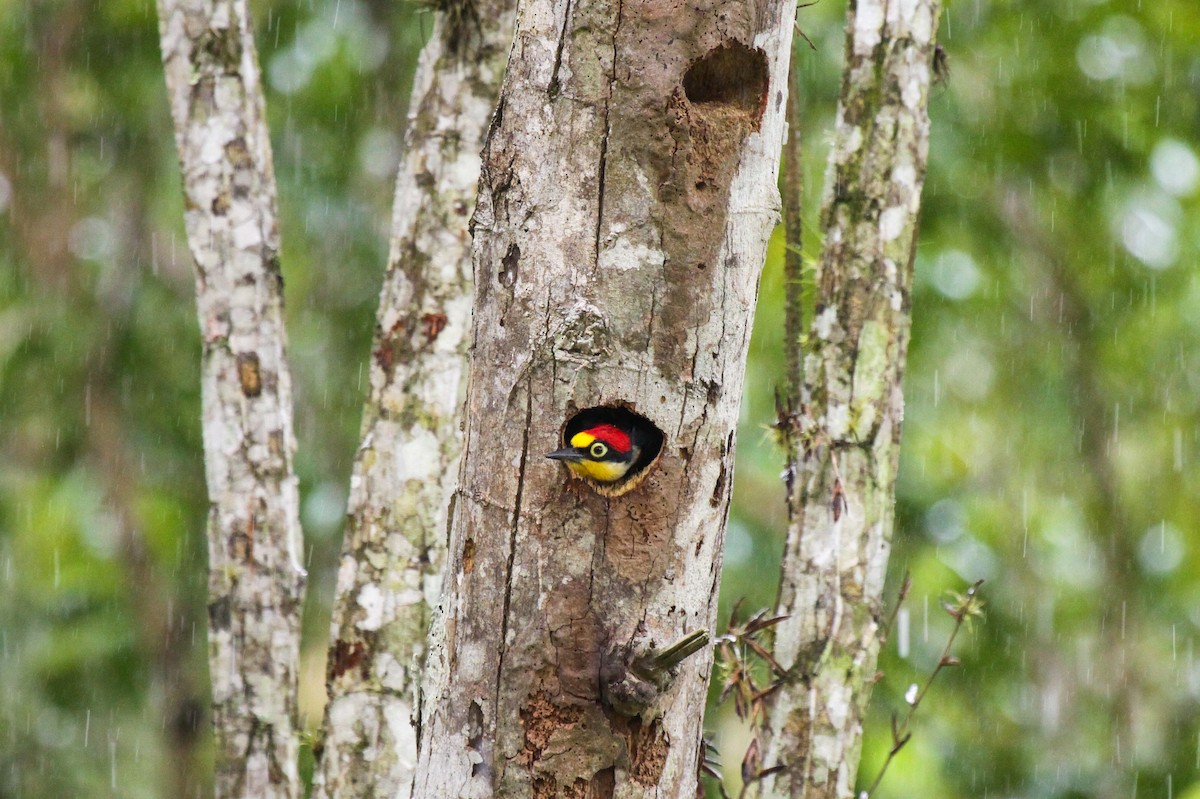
column 731, row 74
column 644, row 434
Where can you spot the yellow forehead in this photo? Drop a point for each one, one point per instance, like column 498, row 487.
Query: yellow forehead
column 582, row 439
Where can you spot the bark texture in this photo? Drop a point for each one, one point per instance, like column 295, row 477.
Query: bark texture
column 627, row 194
column 407, row 465
column 847, row 437
column 254, row 539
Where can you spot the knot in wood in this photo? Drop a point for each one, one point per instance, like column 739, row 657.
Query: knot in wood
column 583, row 335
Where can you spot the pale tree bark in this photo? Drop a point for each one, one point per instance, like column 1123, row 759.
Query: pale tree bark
column 846, row 438
column 254, row 540
column 407, row 464
column 627, row 194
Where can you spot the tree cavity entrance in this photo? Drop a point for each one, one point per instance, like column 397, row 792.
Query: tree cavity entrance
column 730, row 75
column 610, row 447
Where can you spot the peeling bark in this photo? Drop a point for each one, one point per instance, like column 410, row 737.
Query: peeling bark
column 254, row 540
column 847, row 437
column 627, row 194
column 407, row 464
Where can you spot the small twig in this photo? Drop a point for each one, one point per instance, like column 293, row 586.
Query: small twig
column 799, row 31
column 964, row 608
column 710, row 766
column 657, row 663
column 758, row 649
column 733, row 650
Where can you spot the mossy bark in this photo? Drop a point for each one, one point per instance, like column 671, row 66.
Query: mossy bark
column 846, row 435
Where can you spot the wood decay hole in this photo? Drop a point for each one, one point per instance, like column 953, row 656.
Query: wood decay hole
column 731, row 75
column 645, row 435
column 648, row 749
column 540, row 719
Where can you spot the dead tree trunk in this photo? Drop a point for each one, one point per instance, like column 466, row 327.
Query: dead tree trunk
column 627, row 193
column 846, row 438
column 254, row 541
column 407, row 465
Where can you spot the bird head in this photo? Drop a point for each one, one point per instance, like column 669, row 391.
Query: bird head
column 603, row 453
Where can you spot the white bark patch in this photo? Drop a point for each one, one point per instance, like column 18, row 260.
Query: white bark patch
column 824, row 323
column 913, row 93
column 417, row 457
column 398, row 716
column 370, row 599
column 624, row 254
column 247, row 235
column 837, row 421
column 394, row 677
column 407, row 597
column 451, row 339
column 891, row 223
column 851, row 145
column 904, row 176
column 868, row 28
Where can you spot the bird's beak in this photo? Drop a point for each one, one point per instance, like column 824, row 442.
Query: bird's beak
column 569, row 454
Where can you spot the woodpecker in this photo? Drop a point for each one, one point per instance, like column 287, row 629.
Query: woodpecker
column 603, row 453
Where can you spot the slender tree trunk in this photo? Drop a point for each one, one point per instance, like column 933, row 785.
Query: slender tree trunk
column 407, row 465
column 254, row 540
column 1116, row 681
column 793, row 254
column 38, row 215
column 627, row 194
column 162, row 628
column 846, row 439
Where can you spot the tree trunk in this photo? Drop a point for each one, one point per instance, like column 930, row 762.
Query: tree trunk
column 254, row 540
column 846, row 439
column 627, row 194
column 407, row 464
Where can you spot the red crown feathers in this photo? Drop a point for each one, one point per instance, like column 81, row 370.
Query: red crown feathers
column 615, row 437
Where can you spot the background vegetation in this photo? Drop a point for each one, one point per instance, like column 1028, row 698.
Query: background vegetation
column 1053, row 387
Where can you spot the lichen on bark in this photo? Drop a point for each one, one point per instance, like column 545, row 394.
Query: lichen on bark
column 256, row 577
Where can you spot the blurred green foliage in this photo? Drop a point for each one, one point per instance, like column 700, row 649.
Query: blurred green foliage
column 1053, row 385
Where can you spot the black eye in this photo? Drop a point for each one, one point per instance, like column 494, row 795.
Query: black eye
column 598, row 450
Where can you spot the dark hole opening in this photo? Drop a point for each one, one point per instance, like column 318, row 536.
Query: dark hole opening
column 644, row 433
column 730, row 74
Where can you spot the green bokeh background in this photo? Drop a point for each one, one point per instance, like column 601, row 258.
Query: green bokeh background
column 1053, row 384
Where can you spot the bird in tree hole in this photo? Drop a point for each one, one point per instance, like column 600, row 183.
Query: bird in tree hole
column 610, row 448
